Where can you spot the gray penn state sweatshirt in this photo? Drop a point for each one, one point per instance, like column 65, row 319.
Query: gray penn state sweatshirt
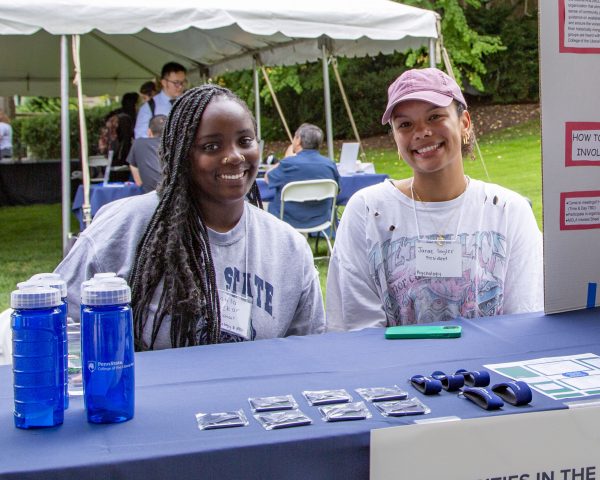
column 261, row 258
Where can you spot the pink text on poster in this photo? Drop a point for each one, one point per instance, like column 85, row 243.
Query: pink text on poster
column 582, row 144
column 580, row 210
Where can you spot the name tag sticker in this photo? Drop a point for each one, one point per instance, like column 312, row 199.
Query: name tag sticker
column 235, row 314
column 439, row 261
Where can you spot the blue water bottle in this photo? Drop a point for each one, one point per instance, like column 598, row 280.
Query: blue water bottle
column 38, row 357
column 54, row 280
column 107, row 351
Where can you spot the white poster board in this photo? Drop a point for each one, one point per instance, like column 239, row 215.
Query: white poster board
column 570, row 105
column 348, row 157
column 554, row 445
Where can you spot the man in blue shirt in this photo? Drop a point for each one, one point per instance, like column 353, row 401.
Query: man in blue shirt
column 173, row 81
column 305, row 164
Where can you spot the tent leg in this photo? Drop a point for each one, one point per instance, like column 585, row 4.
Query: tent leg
column 65, row 143
column 256, row 99
column 327, row 93
column 432, row 62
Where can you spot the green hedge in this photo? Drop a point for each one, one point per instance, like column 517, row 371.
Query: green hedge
column 38, row 135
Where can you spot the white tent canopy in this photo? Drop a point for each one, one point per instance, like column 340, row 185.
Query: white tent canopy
column 125, row 43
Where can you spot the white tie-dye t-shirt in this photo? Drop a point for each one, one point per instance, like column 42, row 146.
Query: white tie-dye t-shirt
column 372, row 280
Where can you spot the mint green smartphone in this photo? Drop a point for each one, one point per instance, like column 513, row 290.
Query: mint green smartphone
column 423, row 331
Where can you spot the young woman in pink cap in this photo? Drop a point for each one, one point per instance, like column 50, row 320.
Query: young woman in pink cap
column 438, row 245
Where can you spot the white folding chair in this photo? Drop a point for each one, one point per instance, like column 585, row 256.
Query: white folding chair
column 310, row 191
column 5, row 338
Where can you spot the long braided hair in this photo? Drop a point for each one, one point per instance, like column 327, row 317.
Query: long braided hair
column 175, row 248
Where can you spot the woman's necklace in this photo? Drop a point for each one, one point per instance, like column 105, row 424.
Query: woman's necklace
column 440, row 238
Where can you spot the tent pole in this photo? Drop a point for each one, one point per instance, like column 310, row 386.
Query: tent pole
column 432, row 62
column 65, row 143
column 86, row 209
column 256, row 97
column 327, row 93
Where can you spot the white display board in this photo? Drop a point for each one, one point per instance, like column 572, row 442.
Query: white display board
column 570, row 105
column 554, row 445
column 348, row 157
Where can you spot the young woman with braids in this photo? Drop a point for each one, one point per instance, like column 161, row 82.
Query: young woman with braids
column 438, row 245
column 195, row 251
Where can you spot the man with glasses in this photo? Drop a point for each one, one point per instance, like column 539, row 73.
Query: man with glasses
column 173, row 82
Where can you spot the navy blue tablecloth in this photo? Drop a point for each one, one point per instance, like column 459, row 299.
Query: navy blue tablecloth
column 28, row 183
column 163, row 440
column 349, row 185
column 101, row 194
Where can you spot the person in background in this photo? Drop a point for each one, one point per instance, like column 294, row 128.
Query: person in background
column 194, row 250
column 143, row 156
column 117, row 134
column 173, row 81
column 5, row 136
column 121, row 147
column 438, row 245
column 129, row 105
column 147, row 91
column 289, row 151
column 306, row 164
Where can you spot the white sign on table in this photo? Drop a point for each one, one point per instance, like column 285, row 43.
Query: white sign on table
column 552, row 445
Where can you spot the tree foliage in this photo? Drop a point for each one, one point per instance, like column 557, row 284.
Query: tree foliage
column 467, row 48
column 299, row 88
column 43, row 105
column 512, row 74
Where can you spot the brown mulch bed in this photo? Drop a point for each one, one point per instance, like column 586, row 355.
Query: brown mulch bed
column 486, row 118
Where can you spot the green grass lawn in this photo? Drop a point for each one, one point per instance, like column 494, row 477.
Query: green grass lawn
column 31, row 243
column 31, row 235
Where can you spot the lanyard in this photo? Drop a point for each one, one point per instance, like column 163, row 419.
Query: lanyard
column 440, row 237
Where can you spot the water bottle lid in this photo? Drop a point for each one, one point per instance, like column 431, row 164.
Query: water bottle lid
column 87, row 283
column 103, row 278
column 35, row 297
column 40, row 276
column 57, row 283
column 106, row 293
column 104, row 275
column 110, row 281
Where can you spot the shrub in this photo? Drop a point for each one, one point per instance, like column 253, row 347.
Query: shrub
column 39, row 135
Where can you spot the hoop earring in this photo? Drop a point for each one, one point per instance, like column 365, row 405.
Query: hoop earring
column 225, row 160
column 465, row 139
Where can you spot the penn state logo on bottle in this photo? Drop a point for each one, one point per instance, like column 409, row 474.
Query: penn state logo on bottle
column 91, row 366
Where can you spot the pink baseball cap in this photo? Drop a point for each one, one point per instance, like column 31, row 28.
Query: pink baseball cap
column 427, row 84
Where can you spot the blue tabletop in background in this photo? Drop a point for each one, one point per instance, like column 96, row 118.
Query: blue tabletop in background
column 101, row 194
column 163, row 440
column 349, row 185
